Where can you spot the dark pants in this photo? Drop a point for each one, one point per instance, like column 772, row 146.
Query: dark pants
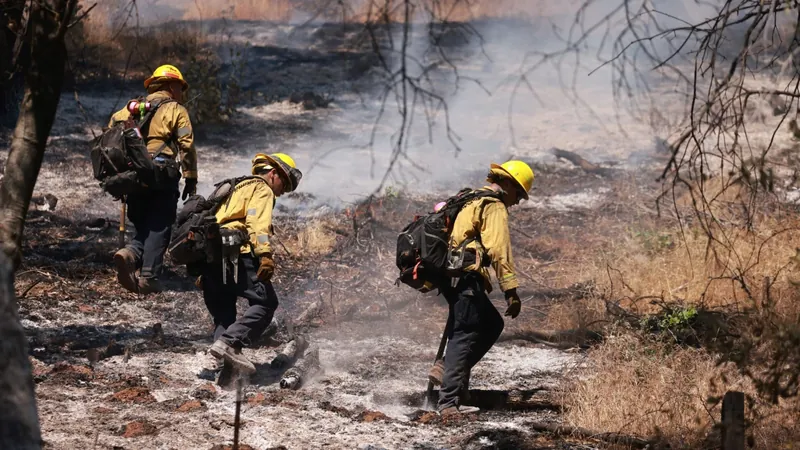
column 476, row 325
column 221, row 298
column 153, row 214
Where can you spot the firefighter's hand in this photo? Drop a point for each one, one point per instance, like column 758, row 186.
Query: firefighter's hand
column 190, row 188
column 514, row 303
column 265, row 269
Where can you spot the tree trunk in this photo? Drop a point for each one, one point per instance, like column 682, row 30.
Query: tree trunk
column 43, row 71
column 19, row 421
column 43, row 60
column 8, row 99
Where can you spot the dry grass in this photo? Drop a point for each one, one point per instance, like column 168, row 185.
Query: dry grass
column 108, row 43
column 369, row 10
column 314, row 239
column 272, row 10
column 639, row 385
column 650, row 388
column 447, row 10
column 576, row 315
column 678, row 266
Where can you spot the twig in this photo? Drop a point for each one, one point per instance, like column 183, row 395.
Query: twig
column 82, row 16
column 27, row 289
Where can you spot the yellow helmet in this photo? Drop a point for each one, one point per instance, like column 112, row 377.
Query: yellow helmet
column 166, row 71
column 281, row 161
column 519, row 172
column 285, row 158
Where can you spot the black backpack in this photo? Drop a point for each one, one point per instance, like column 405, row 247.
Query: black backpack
column 424, row 256
column 196, row 234
column 120, row 160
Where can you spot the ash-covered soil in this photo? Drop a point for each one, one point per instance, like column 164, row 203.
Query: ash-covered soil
column 114, row 370
column 117, row 371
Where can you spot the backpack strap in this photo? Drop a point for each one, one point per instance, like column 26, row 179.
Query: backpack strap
column 469, row 197
column 238, row 183
column 155, row 104
column 145, row 120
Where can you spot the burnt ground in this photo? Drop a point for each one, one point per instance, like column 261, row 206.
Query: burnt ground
column 120, row 371
column 114, row 370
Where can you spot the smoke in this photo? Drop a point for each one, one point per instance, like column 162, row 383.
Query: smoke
column 497, row 108
column 503, row 98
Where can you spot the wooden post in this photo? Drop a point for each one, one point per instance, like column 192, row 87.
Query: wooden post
column 733, row 421
column 19, row 420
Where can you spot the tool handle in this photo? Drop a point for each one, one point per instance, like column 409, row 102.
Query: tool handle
column 122, row 214
column 443, row 342
column 439, row 354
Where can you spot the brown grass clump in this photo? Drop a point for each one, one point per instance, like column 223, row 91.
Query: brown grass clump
column 637, row 388
column 653, row 385
column 649, row 388
column 586, row 313
column 679, row 266
column 312, row 240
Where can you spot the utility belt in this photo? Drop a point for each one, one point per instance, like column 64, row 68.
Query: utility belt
column 460, row 258
column 231, row 242
column 166, row 171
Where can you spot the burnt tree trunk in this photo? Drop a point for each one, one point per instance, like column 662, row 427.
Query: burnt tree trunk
column 42, row 57
column 43, row 61
column 19, row 421
column 10, row 15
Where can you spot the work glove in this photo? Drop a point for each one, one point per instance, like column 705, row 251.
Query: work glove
column 265, row 269
column 514, row 303
column 190, row 188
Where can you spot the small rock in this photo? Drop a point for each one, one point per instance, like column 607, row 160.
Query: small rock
column 458, row 418
column 139, row 428
column 112, row 349
column 40, row 369
column 86, row 308
column 205, row 392
column 46, row 202
column 191, row 405
column 424, row 417
column 134, row 395
column 65, row 372
column 372, row 416
column 266, row 398
column 102, row 410
column 256, row 399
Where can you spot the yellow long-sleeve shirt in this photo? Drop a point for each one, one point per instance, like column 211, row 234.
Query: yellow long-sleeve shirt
column 170, row 124
column 249, row 209
column 487, row 219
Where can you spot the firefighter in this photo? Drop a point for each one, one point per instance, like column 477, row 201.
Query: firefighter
column 170, row 142
column 246, row 266
column 473, row 322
